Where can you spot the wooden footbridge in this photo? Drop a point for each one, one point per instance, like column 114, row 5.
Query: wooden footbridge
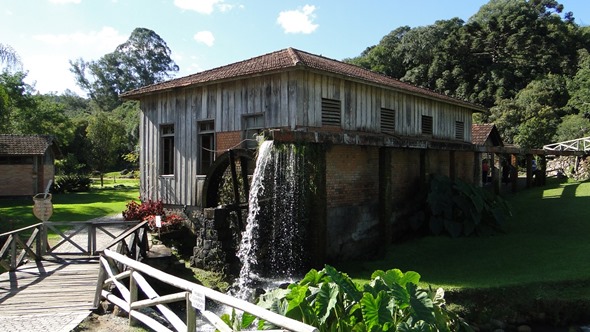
column 53, row 287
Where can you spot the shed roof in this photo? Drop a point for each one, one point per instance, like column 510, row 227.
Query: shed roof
column 24, row 145
column 288, row 59
column 480, row 132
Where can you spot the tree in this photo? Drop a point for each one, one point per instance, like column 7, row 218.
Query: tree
column 572, row 126
column 15, row 97
column 105, row 135
column 531, row 119
column 143, row 59
column 579, row 86
column 9, row 59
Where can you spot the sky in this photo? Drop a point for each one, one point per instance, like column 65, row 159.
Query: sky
column 204, row 34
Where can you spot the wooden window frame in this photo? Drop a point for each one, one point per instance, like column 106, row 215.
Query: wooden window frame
column 251, row 129
column 167, row 145
column 206, row 130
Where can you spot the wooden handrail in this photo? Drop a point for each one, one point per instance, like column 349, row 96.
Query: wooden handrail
column 136, row 280
column 14, row 243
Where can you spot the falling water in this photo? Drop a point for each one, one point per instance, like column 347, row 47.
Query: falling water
column 271, row 245
column 246, row 252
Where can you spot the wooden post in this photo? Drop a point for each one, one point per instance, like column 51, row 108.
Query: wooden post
column 13, row 252
column 39, row 243
column 132, row 297
column 542, row 170
column 477, row 175
column 514, row 172
column 91, row 239
column 102, row 276
column 191, row 314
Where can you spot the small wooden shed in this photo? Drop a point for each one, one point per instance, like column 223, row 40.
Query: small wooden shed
column 26, row 164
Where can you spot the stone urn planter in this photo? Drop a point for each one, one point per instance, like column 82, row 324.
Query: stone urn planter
column 42, row 208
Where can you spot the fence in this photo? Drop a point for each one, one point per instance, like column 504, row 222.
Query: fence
column 193, row 296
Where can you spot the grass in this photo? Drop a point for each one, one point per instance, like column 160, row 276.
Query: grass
column 542, row 256
column 112, row 199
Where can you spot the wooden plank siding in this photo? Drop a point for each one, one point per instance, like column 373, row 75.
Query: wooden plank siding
column 289, row 99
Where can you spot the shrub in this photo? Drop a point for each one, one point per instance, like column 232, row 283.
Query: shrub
column 392, row 301
column 137, row 211
column 169, row 223
column 72, row 183
column 459, row 208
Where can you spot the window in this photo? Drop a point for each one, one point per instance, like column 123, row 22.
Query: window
column 253, row 125
column 206, row 145
column 387, row 120
column 330, row 112
column 426, row 125
column 459, row 130
column 167, row 141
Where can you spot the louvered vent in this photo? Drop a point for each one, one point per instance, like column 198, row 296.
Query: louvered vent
column 330, row 112
column 387, row 120
column 459, row 130
column 426, row 125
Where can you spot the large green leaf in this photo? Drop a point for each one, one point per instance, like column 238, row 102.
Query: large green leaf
column 326, row 301
column 247, row 320
column 421, row 304
column 344, row 282
column 312, row 278
column 375, row 313
column 409, row 277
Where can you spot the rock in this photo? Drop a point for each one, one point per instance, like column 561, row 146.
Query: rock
column 497, row 324
column 524, row 328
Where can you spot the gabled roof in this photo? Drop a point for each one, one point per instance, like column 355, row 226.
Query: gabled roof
column 288, row 59
column 481, row 132
column 24, row 145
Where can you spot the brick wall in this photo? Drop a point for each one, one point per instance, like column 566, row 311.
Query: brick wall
column 16, row 180
column 227, row 140
column 352, row 175
column 405, row 174
column 464, row 165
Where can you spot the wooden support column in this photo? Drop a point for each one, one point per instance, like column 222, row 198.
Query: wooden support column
column 385, row 197
column 477, row 169
column 542, row 170
column 514, row 172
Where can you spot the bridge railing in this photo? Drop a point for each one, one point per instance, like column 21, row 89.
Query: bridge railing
column 193, row 296
column 15, row 248
column 80, row 239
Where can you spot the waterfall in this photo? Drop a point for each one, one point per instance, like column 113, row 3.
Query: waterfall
column 272, row 246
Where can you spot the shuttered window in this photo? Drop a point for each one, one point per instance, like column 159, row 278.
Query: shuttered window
column 167, row 141
column 330, row 112
column 426, row 125
column 387, row 120
column 459, row 130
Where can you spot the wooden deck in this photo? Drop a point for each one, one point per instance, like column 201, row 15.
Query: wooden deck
column 49, row 286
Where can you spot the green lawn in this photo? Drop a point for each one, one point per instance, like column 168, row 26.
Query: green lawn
column 546, row 240
column 542, row 258
column 99, row 202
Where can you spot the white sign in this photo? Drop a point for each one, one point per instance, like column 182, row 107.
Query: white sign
column 197, row 300
column 158, row 221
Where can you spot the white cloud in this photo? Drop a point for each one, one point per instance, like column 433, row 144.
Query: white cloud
column 63, row 2
column 203, row 6
column 299, row 20
column 92, row 43
column 205, row 37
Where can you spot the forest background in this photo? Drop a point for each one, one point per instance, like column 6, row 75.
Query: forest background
column 527, row 62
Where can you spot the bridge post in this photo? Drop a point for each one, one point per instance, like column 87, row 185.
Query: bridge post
column 191, row 314
column 132, row 295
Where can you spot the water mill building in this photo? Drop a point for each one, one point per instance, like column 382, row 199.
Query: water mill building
column 375, row 141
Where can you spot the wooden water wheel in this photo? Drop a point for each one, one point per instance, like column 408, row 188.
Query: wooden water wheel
column 227, row 182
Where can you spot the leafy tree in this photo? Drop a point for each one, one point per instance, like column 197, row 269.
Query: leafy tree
column 531, row 119
column 9, row 59
column 572, row 126
column 142, row 60
column 15, row 97
column 105, row 135
column 579, row 87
